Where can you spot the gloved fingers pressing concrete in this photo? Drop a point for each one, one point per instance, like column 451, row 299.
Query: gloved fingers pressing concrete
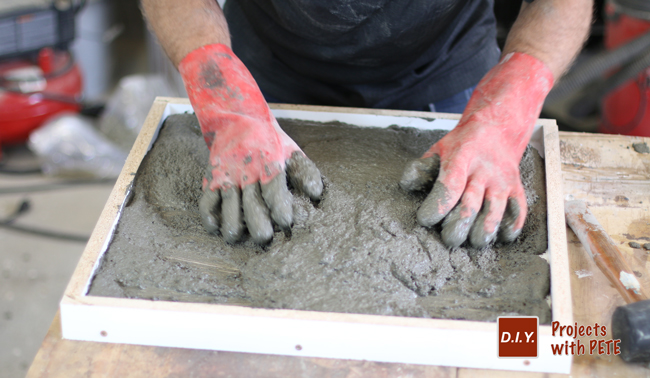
column 279, row 201
column 444, row 196
column 481, row 155
column 248, row 149
column 304, row 175
column 457, row 224
column 232, row 226
column 210, row 210
column 420, row 174
column 486, row 226
column 260, row 204
column 513, row 218
column 256, row 214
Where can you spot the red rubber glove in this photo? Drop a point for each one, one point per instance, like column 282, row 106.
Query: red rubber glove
column 249, row 153
column 478, row 161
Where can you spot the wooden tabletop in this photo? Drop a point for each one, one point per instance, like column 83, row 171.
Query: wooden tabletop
column 603, row 170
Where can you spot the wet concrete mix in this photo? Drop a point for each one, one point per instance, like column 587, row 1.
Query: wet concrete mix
column 358, row 250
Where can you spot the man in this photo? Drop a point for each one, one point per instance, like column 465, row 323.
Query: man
column 382, row 53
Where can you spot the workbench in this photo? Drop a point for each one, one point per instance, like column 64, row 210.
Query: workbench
column 603, row 170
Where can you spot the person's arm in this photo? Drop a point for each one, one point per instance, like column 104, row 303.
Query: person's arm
column 250, row 155
column 184, row 26
column 552, row 31
column 477, row 189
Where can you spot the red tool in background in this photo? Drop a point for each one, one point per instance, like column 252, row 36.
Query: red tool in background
column 608, row 91
column 38, row 76
column 32, row 92
column 626, row 110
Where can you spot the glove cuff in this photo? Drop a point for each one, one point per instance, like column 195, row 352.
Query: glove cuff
column 534, row 76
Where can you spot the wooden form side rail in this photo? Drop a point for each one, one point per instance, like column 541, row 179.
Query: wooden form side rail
column 318, row 334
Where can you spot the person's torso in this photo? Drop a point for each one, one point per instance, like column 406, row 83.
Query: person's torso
column 356, row 42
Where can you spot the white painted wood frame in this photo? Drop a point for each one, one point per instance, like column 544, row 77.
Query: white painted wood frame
column 308, row 333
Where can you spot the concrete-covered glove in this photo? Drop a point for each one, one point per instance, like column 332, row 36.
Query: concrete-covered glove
column 249, row 153
column 477, row 163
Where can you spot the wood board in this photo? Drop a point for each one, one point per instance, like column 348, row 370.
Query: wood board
column 305, row 333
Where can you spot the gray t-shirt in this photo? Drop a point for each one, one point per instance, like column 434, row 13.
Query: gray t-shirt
column 400, row 54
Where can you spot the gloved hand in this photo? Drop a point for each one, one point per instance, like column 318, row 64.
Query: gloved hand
column 249, row 153
column 478, row 161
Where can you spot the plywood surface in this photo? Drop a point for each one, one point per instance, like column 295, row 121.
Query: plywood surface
column 614, row 180
column 605, row 178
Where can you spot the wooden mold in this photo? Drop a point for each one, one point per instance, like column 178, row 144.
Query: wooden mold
column 308, row 333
